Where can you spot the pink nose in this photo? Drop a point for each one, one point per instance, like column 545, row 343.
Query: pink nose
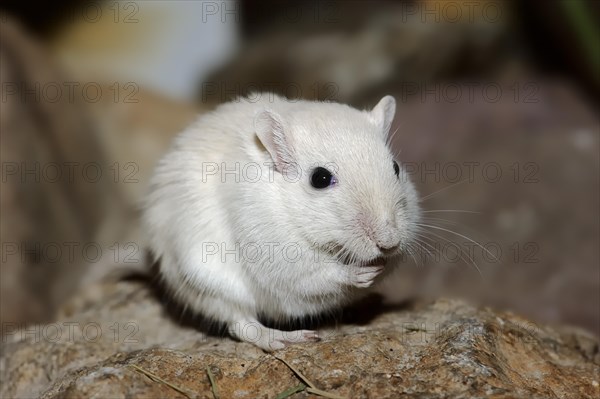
column 388, row 246
column 387, row 239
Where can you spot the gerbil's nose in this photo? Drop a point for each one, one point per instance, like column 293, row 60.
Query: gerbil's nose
column 388, row 247
column 387, row 240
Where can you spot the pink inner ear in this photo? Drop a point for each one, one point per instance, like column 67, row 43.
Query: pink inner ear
column 271, row 131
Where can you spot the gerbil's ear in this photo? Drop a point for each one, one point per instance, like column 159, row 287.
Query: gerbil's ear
column 383, row 114
column 271, row 131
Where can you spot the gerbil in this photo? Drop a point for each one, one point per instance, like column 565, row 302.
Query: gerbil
column 281, row 210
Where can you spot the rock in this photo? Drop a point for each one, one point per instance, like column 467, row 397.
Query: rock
column 50, row 206
column 445, row 348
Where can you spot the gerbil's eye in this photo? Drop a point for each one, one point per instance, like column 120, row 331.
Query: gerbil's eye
column 322, row 178
column 396, row 169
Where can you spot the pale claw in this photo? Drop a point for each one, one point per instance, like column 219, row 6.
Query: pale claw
column 364, row 276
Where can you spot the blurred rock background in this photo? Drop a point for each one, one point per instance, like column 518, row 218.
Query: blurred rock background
column 497, row 116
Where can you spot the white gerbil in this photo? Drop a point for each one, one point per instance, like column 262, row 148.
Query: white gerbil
column 279, row 209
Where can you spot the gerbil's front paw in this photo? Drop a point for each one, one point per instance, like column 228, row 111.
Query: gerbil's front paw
column 364, row 276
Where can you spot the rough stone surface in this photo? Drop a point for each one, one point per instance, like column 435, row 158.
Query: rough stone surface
column 443, row 349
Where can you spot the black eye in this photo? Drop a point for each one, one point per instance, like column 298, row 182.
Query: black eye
column 322, row 178
column 396, row 169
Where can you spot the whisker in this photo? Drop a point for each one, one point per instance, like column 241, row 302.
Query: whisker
column 390, row 138
column 425, row 198
column 424, row 244
column 436, row 250
column 415, row 259
column 455, row 223
column 460, row 254
column 421, row 245
column 460, row 235
column 411, row 251
column 450, row 210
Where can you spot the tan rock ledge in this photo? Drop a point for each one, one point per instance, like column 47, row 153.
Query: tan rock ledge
column 444, row 349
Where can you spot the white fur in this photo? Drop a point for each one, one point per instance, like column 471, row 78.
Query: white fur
column 270, row 207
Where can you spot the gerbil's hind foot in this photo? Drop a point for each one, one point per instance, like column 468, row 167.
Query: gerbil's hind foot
column 269, row 339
